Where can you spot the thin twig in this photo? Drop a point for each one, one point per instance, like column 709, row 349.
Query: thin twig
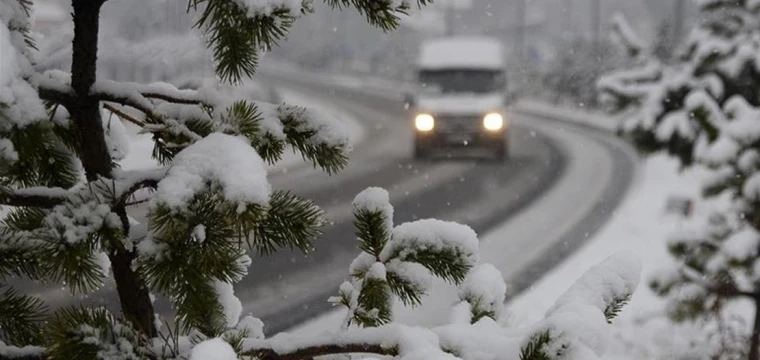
column 30, row 200
column 170, row 99
column 123, row 115
column 137, row 202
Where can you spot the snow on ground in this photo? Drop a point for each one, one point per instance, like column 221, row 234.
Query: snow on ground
column 638, row 226
column 642, row 227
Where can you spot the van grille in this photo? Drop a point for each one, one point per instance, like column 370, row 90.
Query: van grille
column 458, row 123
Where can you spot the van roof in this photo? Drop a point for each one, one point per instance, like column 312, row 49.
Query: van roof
column 461, row 51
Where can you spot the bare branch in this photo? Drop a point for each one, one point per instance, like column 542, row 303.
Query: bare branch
column 169, row 98
column 55, row 95
column 144, row 184
column 123, row 115
column 31, row 199
column 137, row 102
column 322, row 350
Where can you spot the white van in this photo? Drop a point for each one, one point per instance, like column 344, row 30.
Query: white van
column 461, row 99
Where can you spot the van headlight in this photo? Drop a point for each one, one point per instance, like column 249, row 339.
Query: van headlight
column 493, row 122
column 424, row 122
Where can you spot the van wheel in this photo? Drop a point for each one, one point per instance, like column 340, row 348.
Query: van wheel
column 501, row 151
column 421, row 152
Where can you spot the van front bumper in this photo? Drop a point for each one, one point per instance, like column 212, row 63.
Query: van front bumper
column 433, row 139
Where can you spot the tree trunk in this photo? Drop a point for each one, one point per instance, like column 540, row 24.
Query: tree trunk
column 754, row 344
column 96, row 160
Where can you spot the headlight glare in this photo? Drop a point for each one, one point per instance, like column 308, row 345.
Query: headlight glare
column 424, row 122
column 493, row 122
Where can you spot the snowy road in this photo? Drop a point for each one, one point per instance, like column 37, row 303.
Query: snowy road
column 577, row 176
column 562, row 181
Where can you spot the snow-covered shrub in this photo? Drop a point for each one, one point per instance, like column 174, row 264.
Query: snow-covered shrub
column 702, row 108
column 186, row 231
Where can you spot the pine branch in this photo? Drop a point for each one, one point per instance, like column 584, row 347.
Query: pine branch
column 237, row 37
column 44, row 159
column 374, row 303
column 380, row 13
column 409, row 293
column 330, row 156
column 535, row 348
column 90, row 334
column 20, row 318
column 290, row 222
column 445, row 263
column 371, row 230
column 18, row 255
column 613, row 308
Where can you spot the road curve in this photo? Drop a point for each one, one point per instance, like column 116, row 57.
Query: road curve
column 287, row 295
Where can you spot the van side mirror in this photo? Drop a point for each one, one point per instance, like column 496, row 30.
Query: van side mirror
column 408, row 101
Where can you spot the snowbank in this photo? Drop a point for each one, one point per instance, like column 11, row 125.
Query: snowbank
column 641, row 227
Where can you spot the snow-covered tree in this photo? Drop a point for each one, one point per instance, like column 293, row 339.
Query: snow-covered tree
column 187, row 230
column 579, row 63
column 702, row 108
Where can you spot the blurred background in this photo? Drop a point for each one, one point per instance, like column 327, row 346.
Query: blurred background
column 557, row 48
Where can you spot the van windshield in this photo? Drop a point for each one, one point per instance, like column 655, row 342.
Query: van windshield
column 435, row 82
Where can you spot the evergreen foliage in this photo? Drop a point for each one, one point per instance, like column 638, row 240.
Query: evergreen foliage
column 535, row 349
column 702, row 108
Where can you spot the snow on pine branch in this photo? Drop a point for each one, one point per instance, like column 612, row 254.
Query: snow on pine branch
column 256, row 8
column 484, row 292
column 400, row 261
column 19, row 103
column 576, row 326
column 221, row 160
column 177, row 118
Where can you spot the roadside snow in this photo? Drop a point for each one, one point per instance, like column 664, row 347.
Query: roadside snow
column 641, row 227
